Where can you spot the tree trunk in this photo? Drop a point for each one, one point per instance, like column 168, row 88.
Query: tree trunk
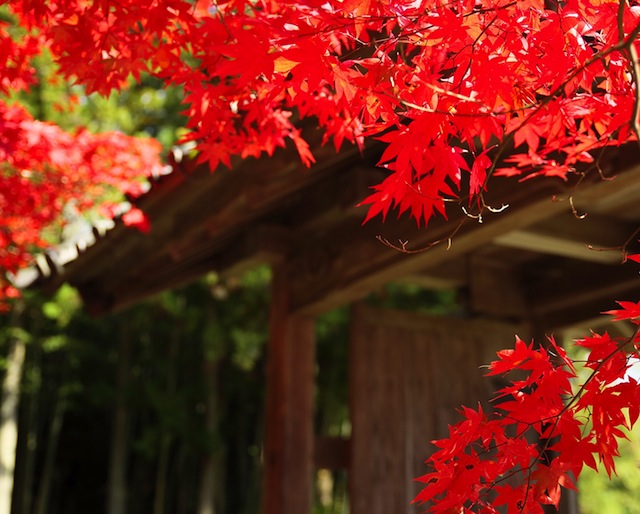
column 206, row 501
column 166, row 437
column 188, row 476
column 209, row 479
column 44, row 491
column 9, row 414
column 117, row 500
column 28, row 435
column 161, row 475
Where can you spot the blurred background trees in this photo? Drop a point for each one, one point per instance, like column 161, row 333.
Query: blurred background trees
column 156, row 409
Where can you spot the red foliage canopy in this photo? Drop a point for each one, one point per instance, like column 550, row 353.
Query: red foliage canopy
column 45, row 168
column 461, row 74
column 451, row 86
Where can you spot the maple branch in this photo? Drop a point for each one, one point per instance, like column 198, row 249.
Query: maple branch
column 634, row 64
column 575, row 397
column 403, row 244
column 622, row 248
column 475, row 42
column 603, row 361
column 488, row 114
column 620, row 19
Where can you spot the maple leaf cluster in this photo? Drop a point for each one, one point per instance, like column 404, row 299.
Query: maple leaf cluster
column 44, row 168
column 542, row 429
column 451, row 86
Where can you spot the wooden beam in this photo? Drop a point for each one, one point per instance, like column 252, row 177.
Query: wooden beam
column 336, row 268
column 615, row 198
column 264, row 245
column 541, row 242
column 208, row 223
column 451, row 274
column 496, row 290
column 289, row 443
column 567, row 294
column 567, row 236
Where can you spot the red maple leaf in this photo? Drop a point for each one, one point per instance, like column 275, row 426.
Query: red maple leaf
column 629, row 310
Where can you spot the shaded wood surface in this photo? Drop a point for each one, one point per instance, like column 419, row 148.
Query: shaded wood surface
column 331, row 453
column 408, row 373
column 288, row 453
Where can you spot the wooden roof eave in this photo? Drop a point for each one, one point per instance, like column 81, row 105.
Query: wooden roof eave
column 269, row 209
column 204, row 221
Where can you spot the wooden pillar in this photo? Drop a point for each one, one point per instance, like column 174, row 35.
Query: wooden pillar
column 408, row 373
column 288, row 454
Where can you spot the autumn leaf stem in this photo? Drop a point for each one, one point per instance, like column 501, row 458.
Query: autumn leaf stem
column 628, row 241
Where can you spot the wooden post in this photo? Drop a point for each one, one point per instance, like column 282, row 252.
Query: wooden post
column 288, row 454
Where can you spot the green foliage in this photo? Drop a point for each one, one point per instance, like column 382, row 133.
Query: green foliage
column 618, row 495
column 185, row 346
column 412, row 297
column 599, row 495
column 145, row 108
column 248, row 346
column 63, row 306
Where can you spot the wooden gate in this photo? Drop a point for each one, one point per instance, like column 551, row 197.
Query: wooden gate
column 409, row 373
